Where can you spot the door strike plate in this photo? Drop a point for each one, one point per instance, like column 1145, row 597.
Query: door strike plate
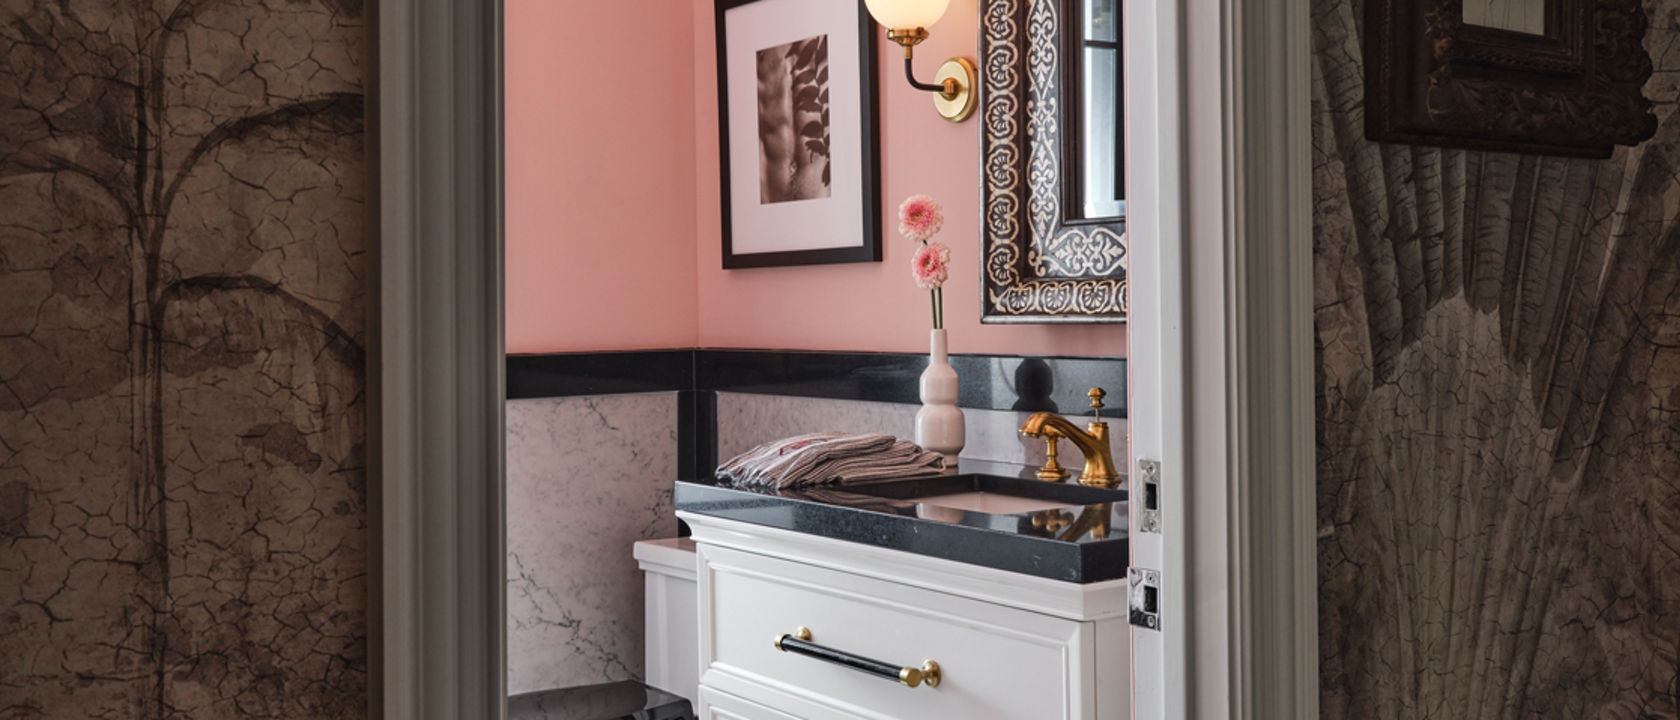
column 1143, row 597
column 1149, row 484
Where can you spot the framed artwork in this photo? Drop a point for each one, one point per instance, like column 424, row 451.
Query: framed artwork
column 1554, row 77
column 797, row 133
column 1053, row 196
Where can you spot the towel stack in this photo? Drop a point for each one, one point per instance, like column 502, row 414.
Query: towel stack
column 830, row 457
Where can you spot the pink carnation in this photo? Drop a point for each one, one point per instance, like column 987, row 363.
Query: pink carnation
column 929, row 266
column 920, row 218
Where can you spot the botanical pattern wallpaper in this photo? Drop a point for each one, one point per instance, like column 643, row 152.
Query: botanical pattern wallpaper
column 1498, row 414
column 183, row 503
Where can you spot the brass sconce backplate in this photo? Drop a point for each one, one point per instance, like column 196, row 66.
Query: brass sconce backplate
column 959, row 105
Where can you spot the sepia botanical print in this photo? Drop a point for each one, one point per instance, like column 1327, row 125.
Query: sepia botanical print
column 183, row 515
column 1498, row 414
column 793, row 149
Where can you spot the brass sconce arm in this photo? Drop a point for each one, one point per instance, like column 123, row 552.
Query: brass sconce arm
column 947, row 89
column 954, row 83
column 910, row 39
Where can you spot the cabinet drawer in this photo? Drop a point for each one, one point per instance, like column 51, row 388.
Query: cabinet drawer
column 716, row 705
column 995, row 662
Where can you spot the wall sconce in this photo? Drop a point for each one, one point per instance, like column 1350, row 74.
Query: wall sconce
column 906, row 22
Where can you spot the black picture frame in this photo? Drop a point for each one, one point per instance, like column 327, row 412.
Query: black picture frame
column 869, row 250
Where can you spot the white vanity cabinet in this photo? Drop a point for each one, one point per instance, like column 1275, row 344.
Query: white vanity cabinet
column 1007, row 646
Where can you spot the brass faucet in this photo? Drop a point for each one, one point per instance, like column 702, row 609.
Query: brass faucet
column 1092, row 443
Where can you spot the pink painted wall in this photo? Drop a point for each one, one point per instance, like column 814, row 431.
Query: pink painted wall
column 870, row 306
column 613, row 220
column 600, row 176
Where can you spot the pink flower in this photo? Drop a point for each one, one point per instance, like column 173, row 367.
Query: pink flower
column 920, row 218
column 929, row 266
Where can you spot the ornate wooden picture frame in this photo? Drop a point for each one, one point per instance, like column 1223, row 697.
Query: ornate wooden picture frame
column 1569, row 83
column 1042, row 265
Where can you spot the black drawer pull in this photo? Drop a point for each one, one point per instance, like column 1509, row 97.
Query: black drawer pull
column 799, row 643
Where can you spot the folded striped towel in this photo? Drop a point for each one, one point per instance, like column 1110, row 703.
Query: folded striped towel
column 830, row 457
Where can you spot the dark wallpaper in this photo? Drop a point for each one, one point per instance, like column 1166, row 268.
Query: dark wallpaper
column 1499, row 415
column 182, row 409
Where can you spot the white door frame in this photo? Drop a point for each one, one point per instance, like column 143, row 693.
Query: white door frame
column 439, row 638
column 1156, row 192
column 1221, row 354
column 1247, row 297
column 1221, row 357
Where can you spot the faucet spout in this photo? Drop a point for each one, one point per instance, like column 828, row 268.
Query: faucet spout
column 1092, row 443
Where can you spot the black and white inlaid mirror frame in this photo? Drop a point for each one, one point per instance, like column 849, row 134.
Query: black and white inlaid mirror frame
column 1044, row 261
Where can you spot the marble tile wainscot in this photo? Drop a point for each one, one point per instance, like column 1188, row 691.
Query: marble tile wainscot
column 587, row 477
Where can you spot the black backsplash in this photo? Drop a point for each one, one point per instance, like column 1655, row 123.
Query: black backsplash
column 987, row 382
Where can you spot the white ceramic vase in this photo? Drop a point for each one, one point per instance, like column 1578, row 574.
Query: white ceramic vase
column 939, row 424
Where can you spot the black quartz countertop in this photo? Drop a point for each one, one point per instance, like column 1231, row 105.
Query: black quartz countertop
column 1074, row 534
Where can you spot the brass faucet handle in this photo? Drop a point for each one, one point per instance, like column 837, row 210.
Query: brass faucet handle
column 1097, row 394
column 1052, row 470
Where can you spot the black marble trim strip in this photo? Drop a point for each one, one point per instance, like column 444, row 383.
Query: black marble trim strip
column 599, row 373
column 696, row 433
column 988, row 382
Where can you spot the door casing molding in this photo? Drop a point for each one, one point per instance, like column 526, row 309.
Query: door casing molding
column 1221, row 353
column 439, row 643
column 1248, row 294
column 1273, row 423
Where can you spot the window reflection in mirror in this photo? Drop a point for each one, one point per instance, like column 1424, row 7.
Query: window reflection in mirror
column 1096, row 111
column 1524, row 16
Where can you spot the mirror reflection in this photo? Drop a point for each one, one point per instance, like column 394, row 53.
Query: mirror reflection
column 1099, row 111
column 1524, row 16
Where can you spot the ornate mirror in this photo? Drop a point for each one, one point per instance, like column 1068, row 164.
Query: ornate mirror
column 1052, row 168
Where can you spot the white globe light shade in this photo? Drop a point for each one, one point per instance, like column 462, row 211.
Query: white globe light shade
column 906, row 14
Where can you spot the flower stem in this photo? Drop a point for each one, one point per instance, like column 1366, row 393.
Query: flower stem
column 933, row 302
